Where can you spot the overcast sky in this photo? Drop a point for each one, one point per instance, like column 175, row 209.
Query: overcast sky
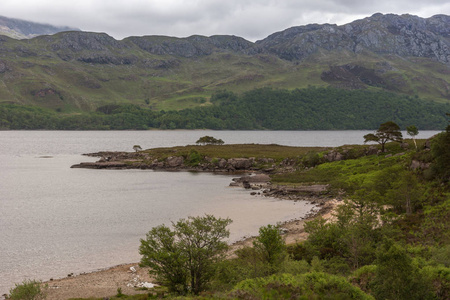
column 250, row 19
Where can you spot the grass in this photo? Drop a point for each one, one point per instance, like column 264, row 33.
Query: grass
column 129, row 297
column 273, row 151
column 362, row 169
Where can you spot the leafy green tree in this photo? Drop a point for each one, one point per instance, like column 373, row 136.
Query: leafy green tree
column 412, row 131
column 209, row 140
column 184, row 258
column 388, row 131
column 270, row 244
column 28, row 290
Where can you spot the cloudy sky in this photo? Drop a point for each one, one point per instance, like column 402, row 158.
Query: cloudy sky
column 250, row 19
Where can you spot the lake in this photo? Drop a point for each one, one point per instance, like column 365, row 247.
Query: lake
column 55, row 220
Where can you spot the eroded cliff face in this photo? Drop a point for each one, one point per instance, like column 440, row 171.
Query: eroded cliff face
column 404, row 35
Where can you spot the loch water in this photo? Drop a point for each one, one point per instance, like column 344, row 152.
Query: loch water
column 55, row 220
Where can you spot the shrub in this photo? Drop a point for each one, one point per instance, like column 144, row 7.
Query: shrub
column 396, row 277
column 193, row 158
column 314, row 285
column 363, row 277
column 28, row 290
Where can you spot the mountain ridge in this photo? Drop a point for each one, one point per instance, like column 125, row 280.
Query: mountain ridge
column 77, row 70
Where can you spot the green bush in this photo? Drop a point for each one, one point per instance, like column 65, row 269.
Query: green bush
column 193, row 158
column 363, row 278
column 439, row 277
column 28, row 290
column 314, row 285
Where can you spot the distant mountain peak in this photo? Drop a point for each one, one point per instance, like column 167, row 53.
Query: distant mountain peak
column 21, row 29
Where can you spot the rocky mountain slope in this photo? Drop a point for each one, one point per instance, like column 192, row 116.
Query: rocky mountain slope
column 21, row 29
column 405, row 36
column 80, row 70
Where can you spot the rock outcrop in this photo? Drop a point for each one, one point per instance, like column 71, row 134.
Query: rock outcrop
column 403, row 35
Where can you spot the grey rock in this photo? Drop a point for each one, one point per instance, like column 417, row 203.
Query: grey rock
column 240, row 163
column 415, row 164
column 222, row 163
column 175, row 161
column 333, row 156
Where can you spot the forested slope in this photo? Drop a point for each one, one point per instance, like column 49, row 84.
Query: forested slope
column 276, row 109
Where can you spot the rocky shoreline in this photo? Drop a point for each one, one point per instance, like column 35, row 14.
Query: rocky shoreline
column 129, row 277
column 255, row 171
column 143, row 160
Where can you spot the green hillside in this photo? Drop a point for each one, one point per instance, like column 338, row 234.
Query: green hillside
column 74, row 73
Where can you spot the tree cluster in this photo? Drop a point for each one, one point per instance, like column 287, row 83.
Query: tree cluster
column 300, row 109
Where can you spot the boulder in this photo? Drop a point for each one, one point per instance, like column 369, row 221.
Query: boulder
column 222, row 163
column 174, row 161
column 415, row 164
column 372, row 150
column 240, row 163
column 266, row 160
column 333, row 156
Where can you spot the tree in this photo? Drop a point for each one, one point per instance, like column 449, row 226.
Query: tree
column 184, row 258
column 406, row 193
column 209, row 140
column 412, row 131
column 270, row 244
column 137, row 148
column 388, row 131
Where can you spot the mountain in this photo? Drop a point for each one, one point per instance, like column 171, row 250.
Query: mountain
column 73, row 71
column 405, row 36
column 20, row 29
